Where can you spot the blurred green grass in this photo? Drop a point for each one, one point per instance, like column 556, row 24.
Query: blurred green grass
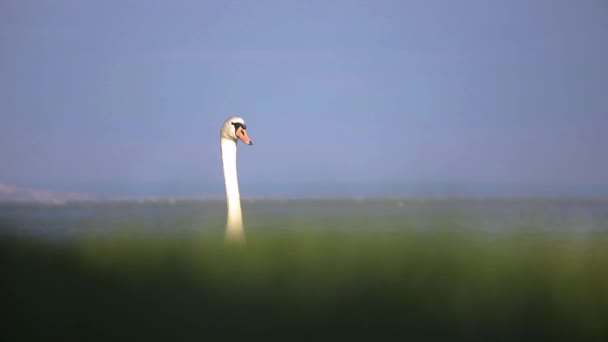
column 309, row 284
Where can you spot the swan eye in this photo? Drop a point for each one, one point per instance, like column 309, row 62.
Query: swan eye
column 238, row 125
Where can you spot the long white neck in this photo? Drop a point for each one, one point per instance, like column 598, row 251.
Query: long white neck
column 234, row 222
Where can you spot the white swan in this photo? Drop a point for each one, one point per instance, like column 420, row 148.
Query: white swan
column 234, row 129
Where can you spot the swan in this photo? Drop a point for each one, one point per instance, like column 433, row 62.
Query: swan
column 233, row 130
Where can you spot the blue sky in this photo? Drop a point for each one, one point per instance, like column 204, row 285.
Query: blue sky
column 502, row 92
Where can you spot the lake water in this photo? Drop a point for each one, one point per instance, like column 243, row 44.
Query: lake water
column 170, row 217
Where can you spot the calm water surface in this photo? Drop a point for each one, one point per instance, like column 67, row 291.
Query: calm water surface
column 208, row 216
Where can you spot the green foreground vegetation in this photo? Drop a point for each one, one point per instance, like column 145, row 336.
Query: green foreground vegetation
column 439, row 285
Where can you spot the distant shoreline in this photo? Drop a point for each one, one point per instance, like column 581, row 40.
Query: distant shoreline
column 279, row 199
column 167, row 192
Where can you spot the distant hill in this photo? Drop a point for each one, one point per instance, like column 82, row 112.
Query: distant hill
column 10, row 193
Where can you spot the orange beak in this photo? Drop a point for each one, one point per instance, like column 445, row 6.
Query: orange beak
column 242, row 134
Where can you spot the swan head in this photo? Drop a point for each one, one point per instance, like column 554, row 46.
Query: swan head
column 234, row 128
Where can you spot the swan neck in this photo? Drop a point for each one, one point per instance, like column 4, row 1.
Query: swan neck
column 234, row 223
